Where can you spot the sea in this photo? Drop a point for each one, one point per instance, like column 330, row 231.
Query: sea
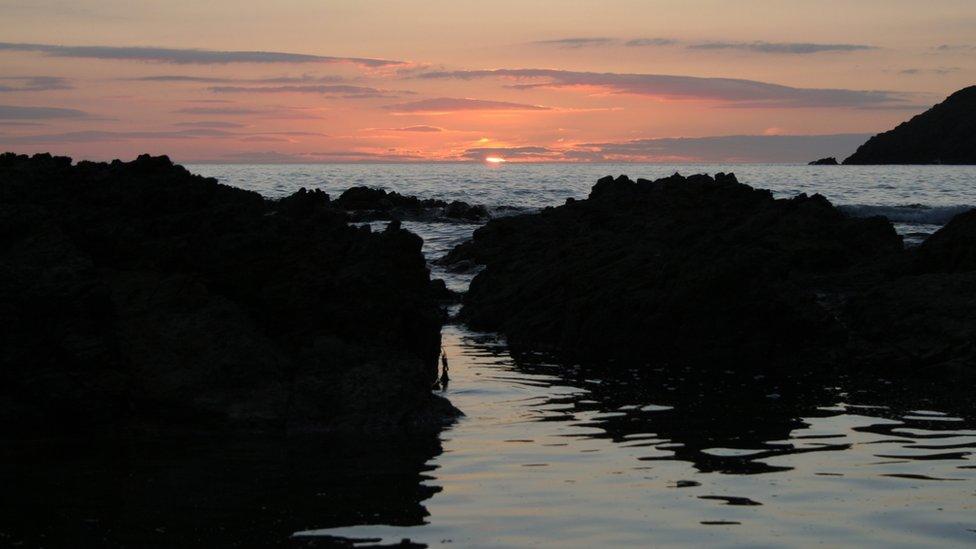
column 555, row 455
column 569, row 455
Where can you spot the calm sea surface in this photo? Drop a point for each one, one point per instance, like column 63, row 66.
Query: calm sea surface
column 566, row 455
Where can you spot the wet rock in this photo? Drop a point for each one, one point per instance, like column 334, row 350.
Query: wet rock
column 695, row 270
column 137, row 294
column 829, row 161
column 367, row 204
column 944, row 134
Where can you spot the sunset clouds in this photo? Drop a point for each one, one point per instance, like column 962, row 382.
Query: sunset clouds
column 335, row 81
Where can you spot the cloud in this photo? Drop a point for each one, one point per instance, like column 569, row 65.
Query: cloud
column 510, row 153
column 955, row 47
column 275, row 157
column 733, row 148
column 939, row 70
column 342, row 90
column 644, row 42
column 304, row 79
column 189, row 56
column 13, row 112
column 98, row 135
column 209, row 124
column 732, row 91
column 448, row 104
column 34, row 83
column 419, row 128
column 575, row 43
column 728, row 149
column 799, row 48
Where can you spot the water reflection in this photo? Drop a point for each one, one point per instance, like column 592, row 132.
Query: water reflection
column 575, row 456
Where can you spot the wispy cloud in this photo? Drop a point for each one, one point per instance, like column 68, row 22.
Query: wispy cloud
column 419, row 128
column 303, row 79
column 98, row 135
column 449, row 104
column 937, row 70
column 575, row 43
column 513, row 153
column 795, row 48
column 733, row 148
column 13, row 112
column 645, row 42
column 209, row 124
column 955, row 48
column 731, row 91
column 189, row 56
column 33, row 83
column 341, row 90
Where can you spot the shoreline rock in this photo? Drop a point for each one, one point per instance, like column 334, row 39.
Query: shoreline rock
column 368, row 204
column 138, row 295
column 829, row 161
column 695, row 271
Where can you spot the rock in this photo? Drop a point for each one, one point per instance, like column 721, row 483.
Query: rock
column 694, row 270
column 139, row 295
column 944, row 134
column 829, row 161
column 922, row 321
column 952, row 249
column 367, row 204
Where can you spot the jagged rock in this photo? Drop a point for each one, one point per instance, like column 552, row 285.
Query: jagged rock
column 829, row 161
column 367, row 204
column 695, row 270
column 944, row 134
column 137, row 294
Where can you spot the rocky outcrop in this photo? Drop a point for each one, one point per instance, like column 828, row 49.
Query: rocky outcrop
column 829, row 161
column 137, row 294
column 696, row 270
column 923, row 319
column 944, row 134
column 368, row 204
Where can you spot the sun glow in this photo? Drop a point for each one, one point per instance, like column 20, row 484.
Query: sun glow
column 495, row 160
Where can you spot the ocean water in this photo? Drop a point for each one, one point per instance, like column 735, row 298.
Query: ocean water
column 556, row 455
column 562, row 456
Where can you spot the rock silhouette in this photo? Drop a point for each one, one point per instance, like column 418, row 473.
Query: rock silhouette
column 368, row 204
column 706, row 272
column 944, row 134
column 829, row 161
column 136, row 294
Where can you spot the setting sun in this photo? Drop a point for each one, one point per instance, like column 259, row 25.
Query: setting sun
column 495, row 160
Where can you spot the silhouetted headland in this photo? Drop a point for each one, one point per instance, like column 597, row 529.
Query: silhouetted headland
column 712, row 273
column 944, row 134
column 139, row 295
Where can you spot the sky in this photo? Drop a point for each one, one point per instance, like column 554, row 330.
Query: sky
column 456, row 80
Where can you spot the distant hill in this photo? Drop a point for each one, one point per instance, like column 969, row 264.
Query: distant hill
column 944, row 134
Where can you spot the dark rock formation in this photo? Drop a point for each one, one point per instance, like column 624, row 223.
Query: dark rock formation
column 829, row 161
column 695, row 270
column 367, row 204
column 944, row 134
column 139, row 294
column 923, row 320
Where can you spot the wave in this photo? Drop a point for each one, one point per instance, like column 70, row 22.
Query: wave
column 917, row 214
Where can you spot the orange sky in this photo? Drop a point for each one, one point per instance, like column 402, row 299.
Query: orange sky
column 567, row 80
